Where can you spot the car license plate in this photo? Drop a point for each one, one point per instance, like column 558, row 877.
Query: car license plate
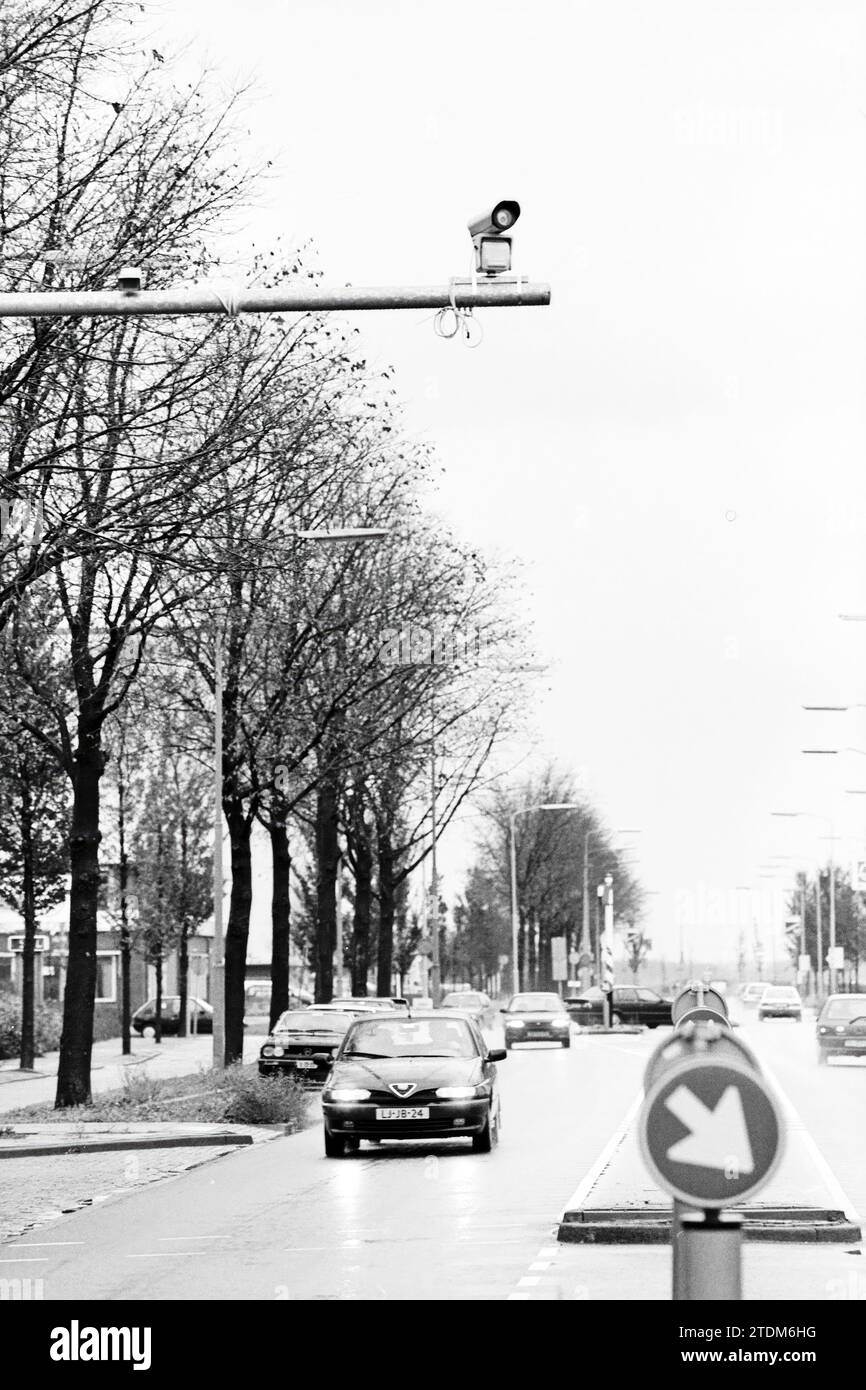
column 306, row 1063
column 855, row 1042
column 404, row 1112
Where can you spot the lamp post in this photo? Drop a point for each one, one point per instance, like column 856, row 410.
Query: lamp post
column 515, row 920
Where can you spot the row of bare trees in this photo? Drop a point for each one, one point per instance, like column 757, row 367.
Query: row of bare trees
column 160, row 481
column 549, row 861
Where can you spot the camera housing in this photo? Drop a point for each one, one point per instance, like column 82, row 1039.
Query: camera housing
column 492, row 246
column 129, row 278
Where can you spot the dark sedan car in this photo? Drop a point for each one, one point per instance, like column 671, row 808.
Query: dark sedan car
column 841, row 1028
column 302, row 1044
column 425, row 1077
column 629, row 1004
column 536, row 1018
column 200, row 1016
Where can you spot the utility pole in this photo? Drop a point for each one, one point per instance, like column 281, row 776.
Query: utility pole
column 339, row 980
column 435, row 964
column 498, row 293
column 585, row 949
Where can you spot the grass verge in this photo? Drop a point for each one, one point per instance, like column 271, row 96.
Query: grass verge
column 237, row 1095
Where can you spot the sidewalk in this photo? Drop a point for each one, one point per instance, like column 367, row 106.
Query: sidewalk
column 171, row 1057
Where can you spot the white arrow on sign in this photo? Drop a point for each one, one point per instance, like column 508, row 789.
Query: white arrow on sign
column 719, row 1138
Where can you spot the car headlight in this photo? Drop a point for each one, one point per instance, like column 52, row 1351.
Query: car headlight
column 456, row 1092
column 348, row 1093
column 822, row 1029
column 514, row 1023
column 840, row 1027
column 560, row 1023
column 267, row 1052
column 278, row 1050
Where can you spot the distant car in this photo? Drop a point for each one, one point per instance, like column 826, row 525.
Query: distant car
column 841, row 1027
column 630, row 1004
column 751, row 992
column 302, row 1044
column 536, row 1018
column 371, row 1001
column 780, row 1001
column 472, row 1002
column 422, row 1077
column 200, row 1020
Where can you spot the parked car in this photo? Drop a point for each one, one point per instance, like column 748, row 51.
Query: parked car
column 536, row 1018
column 841, row 1027
column 424, row 1077
column 302, row 1044
column 472, row 1002
column 201, row 1015
column 780, row 1001
column 632, row 1004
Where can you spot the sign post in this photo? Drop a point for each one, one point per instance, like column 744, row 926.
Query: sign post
column 711, row 1135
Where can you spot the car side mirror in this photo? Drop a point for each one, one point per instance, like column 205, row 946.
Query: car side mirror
column 497, row 1054
column 503, row 1011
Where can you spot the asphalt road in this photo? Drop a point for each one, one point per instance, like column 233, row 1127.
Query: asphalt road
column 438, row 1222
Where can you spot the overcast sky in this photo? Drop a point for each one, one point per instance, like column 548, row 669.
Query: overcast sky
column 675, row 448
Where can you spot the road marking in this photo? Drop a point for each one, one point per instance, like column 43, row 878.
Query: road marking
column 837, row 1191
column 163, row 1254
column 519, row 1296
column 605, row 1156
column 37, row 1244
column 528, row 1280
column 190, row 1238
column 43, row 1260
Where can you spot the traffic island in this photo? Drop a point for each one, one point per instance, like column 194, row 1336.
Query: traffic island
column 46, row 1140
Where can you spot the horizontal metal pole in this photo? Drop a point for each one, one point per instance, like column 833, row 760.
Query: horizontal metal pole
column 125, row 303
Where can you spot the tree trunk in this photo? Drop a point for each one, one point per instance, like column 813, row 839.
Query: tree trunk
column 387, row 906
column 280, row 917
column 28, row 1029
column 76, row 1043
column 237, row 931
column 363, row 908
column 327, row 855
column 158, row 1023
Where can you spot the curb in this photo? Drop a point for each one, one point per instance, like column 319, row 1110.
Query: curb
column 652, row 1225
column 132, row 1141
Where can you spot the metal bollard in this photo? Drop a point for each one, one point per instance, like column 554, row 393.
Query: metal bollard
column 708, row 1257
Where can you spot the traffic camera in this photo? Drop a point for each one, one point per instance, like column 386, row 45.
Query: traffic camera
column 492, row 246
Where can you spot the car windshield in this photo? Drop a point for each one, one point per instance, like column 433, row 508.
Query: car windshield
column 308, row 1022
column 782, row 992
column 536, row 1003
column 406, row 1037
column 843, row 1010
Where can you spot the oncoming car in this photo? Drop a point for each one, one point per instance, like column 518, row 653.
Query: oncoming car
column 425, row 1077
column 841, row 1028
column 536, row 1018
column 302, row 1044
column 780, row 1001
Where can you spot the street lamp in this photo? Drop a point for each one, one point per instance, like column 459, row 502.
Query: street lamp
column 515, row 923
column 336, row 536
